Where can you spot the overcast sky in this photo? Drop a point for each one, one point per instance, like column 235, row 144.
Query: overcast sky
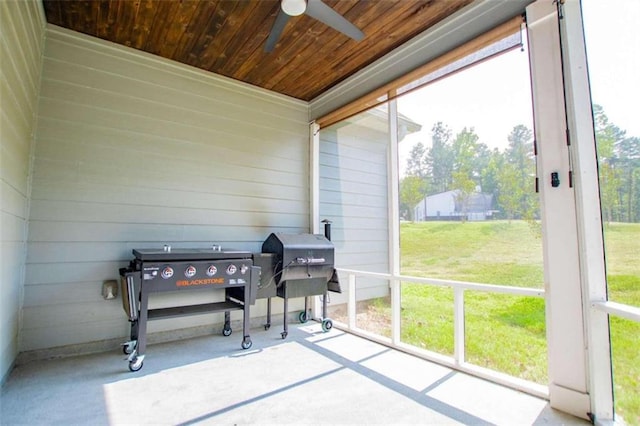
column 495, row 96
column 613, row 52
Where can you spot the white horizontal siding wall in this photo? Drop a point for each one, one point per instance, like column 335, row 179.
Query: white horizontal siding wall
column 21, row 43
column 136, row 151
column 354, row 196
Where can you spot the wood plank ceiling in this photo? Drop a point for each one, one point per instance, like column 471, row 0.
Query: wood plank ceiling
column 227, row 37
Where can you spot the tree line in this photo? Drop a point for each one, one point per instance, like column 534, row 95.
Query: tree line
column 619, row 170
column 461, row 162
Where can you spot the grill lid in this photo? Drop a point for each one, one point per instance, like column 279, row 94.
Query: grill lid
column 190, row 254
column 300, row 249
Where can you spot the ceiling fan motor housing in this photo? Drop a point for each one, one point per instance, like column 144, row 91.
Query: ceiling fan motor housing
column 293, row 7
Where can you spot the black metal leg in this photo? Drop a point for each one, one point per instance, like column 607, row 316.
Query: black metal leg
column 286, row 310
column 246, row 311
column 134, row 330
column 306, row 307
column 142, row 321
column 268, row 324
column 324, row 305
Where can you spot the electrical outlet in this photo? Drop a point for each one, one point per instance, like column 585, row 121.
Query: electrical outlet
column 110, row 289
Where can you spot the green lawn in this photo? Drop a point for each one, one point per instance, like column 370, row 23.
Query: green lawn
column 503, row 332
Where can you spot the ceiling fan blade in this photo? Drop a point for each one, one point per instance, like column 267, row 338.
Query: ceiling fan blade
column 325, row 14
column 276, row 30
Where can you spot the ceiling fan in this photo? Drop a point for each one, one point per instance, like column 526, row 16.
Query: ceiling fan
column 315, row 9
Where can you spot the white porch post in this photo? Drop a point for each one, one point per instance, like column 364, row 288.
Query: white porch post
column 314, row 177
column 314, row 197
column 394, row 220
column 584, row 159
column 578, row 341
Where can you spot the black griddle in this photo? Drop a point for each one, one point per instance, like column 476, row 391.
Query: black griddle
column 183, row 269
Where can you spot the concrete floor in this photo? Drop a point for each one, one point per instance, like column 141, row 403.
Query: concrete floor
column 311, row 377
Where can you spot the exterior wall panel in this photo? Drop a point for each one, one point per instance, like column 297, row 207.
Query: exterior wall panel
column 354, row 196
column 135, row 151
column 21, row 45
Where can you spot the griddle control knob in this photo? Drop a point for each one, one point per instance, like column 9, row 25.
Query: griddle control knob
column 231, row 269
column 243, row 269
column 167, row 272
column 190, row 271
column 212, row 270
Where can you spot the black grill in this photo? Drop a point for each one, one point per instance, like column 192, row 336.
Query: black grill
column 303, row 266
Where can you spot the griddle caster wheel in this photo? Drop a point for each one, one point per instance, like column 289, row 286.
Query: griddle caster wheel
column 128, row 347
column 136, row 363
column 267, row 326
column 246, row 343
column 303, row 317
column 226, row 331
column 284, row 334
column 327, row 324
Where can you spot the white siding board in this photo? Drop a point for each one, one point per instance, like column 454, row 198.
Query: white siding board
column 17, row 72
column 351, row 165
column 11, row 255
column 42, row 231
column 350, row 211
column 340, row 185
column 24, row 51
column 124, row 107
column 87, row 292
column 271, row 140
column 14, row 145
column 371, row 262
column 203, row 164
column 77, row 313
column 52, row 273
column 66, row 251
column 83, row 173
column 354, row 198
column 70, row 333
column 358, row 176
column 12, row 229
column 16, row 110
column 355, row 234
column 206, row 149
column 361, row 246
column 72, row 211
column 67, row 111
column 14, row 202
column 14, row 173
column 375, row 151
column 44, row 190
column 144, row 97
column 217, row 141
column 146, row 68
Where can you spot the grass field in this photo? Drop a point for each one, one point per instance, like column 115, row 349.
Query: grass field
column 504, row 332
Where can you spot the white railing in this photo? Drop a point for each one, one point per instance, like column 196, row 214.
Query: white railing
column 459, row 288
column 618, row 309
